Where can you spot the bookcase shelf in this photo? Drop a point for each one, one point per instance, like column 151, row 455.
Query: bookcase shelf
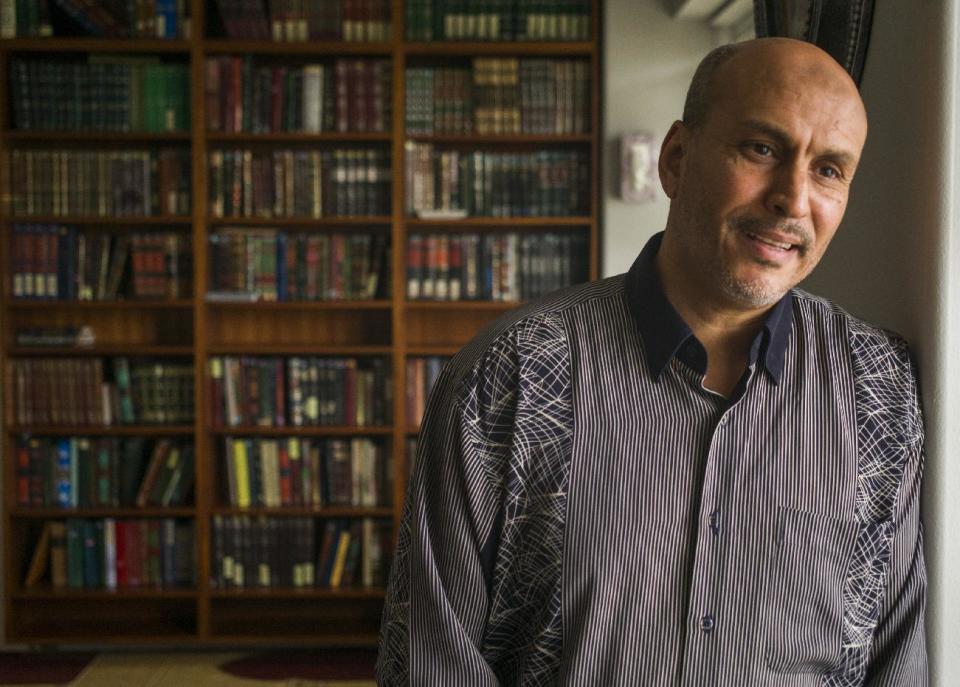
column 496, row 306
column 99, row 430
column 132, row 349
column 296, row 48
column 298, row 349
column 503, row 138
column 95, row 136
column 511, row 48
column 324, row 512
column 323, row 137
column 501, row 223
column 97, row 45
column 315, row 222
column 46, row 513
column 303, row 305
column 25, row 304
column 387, row 330
column 257, row 430
column 105, row 221
column 50, row 594
column 300, row 593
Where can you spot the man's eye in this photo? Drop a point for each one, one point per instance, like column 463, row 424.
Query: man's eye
column 830, row 172
column 761, row 149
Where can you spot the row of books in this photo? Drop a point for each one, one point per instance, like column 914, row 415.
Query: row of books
column 55, row 262
column 503, row 20
column 77, row 392
column 104, row 18
column 271, row 553
column 112, row 553
column 545, row 183
column 299, row 471
column 422, row 374
column 296, row 20
column 273, row 265
column 108, row 93
column 349, row 94
column 300, row 183
column 59, row 336
column 500, row 96
column 99, row 183
column 499, row 267
column 107, row 472
column 299, row 391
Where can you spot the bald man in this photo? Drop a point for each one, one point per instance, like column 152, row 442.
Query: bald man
column 693, row 473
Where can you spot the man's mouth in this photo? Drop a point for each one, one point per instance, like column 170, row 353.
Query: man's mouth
column 771, row 242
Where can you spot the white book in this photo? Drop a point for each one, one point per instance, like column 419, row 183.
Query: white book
column 312, row 98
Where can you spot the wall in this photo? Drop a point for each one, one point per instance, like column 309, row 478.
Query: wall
column 891, row 261
column 649, row 59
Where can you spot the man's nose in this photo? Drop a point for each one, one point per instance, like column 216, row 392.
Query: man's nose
column 789, row 195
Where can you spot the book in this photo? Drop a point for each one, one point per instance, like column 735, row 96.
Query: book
column 39, row 561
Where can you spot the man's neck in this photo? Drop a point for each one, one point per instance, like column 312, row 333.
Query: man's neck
column 726, row 332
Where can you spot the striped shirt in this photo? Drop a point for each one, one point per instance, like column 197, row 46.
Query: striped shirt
column 584, row 512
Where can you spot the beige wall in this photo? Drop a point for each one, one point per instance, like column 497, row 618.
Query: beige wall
column 649, row 59
column 895, row 258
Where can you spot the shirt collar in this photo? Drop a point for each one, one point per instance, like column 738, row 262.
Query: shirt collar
column 665, row 334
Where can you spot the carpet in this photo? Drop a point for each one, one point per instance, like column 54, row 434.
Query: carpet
column 21, row 668
column 331, row 664
column 281, row 668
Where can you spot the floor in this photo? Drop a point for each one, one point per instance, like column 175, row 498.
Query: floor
column 177, row 670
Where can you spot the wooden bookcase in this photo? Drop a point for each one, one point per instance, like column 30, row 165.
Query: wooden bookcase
column 194, row 329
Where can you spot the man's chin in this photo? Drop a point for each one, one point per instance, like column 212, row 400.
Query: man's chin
column 754, row 294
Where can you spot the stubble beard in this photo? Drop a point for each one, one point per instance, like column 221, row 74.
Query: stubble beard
column 759, row 293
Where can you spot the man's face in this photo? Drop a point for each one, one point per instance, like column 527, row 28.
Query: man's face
column 760, row 187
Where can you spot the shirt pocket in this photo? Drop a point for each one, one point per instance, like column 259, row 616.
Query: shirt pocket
column 804, row 598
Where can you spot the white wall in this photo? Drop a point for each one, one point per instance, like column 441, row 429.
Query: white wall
column 891, row 262
column 649, row 59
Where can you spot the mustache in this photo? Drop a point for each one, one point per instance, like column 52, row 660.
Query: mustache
column 757, row 225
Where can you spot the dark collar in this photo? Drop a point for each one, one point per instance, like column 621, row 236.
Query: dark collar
column 666, row 335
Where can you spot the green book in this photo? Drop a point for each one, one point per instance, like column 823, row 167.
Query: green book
column 74, row 537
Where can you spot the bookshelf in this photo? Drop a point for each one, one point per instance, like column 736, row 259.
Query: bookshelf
column 239, row 208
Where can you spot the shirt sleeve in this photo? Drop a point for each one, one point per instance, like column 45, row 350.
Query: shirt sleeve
column 899, row 652
column 475, row 586
column 438, row 598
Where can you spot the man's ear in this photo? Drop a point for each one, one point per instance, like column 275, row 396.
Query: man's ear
column 673, row 157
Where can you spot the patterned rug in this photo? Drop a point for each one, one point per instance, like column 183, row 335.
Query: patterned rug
column 42, row 668
column 293, row 668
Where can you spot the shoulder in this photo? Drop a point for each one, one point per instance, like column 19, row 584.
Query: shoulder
column 882, row 364
column 868, row 342
column 533, row 335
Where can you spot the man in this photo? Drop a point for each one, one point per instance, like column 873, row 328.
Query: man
column 692, row 473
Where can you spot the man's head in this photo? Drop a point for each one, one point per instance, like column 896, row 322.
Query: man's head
column 759, row 170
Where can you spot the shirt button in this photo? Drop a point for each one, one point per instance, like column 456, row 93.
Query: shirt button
column 723, row 420
column 707, row 623
column 715, row 522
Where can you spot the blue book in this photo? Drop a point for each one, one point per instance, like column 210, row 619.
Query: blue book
column 166, row 18
column 62, row 473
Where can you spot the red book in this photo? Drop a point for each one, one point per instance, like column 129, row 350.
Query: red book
column 276, row 98
column 136, row 550
column 213, row 93
column 122, row 540
column 414, row 266
column 235, row 96
column 280, row 401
